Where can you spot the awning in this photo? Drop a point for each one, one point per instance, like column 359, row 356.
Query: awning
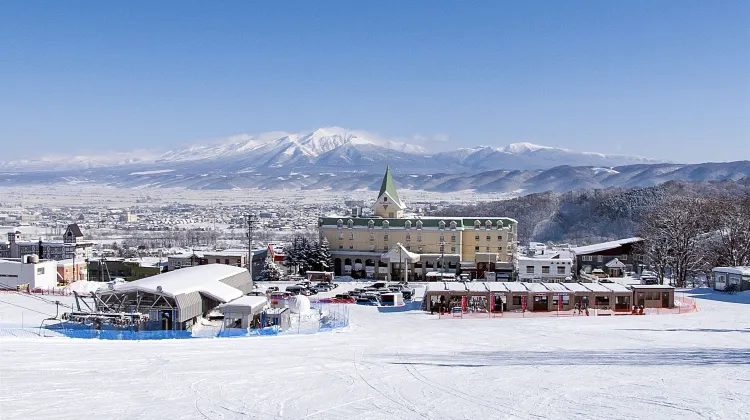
column 615, row 263
column 399, row 253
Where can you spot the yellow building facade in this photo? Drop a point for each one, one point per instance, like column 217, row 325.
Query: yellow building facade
column 393, row 246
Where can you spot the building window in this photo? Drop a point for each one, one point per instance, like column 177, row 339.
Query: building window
column 419, row 224
column 476, row 249
column 587, row 258
column 488, row 225
column 453, row 249
column 40, row 270
column 499, row 249
column 517, row 300
column 442, row 238
column 560, row 269
column 386, row 224
column 499, row 237
column 340, row 223
column 453, row 238
column 476, row 238
column 488, row 249
column 351, row 236
column 623, row 257
column 419, row 238
column 371, row 224
column 600, row 258
column 341, row 246
column 545, row 269
column 408, row 237
column 441, row 225
column 341, row 235
column 385, row 248
column 350, row 223
column 477, row 224
column 385, row 237
column 218, row 261
column 453, row 225
column 529, row 269
column 351, row 246
column 407, row 224
column 489, row 238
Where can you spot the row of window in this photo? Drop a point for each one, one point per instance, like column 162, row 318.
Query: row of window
column 545, row 269
column 419, row 237
column 600, row 258
column 407, row 225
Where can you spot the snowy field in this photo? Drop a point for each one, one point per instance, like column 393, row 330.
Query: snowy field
column 397, row 366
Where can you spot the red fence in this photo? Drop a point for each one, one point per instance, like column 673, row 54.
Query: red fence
column 56, row 291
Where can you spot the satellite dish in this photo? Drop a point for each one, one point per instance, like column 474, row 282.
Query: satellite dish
column 158, row 289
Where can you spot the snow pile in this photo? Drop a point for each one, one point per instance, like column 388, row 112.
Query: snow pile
column 84, row 287
column 299, row 304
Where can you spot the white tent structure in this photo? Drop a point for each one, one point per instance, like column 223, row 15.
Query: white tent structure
column 175, row 300
column 401, row 256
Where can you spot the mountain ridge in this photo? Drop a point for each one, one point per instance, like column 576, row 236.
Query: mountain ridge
column 330, row 148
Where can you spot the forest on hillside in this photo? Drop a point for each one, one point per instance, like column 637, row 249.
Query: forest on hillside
column 588, row 216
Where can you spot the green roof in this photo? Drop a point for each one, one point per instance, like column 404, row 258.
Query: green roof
column 388, row 186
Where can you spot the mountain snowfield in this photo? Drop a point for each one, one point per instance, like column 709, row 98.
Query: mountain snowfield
column 332, row 147
column 338, row 159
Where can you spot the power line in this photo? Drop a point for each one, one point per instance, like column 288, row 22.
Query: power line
column 23, row 307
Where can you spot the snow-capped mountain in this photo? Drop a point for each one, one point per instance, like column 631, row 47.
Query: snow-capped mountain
column 330, row 149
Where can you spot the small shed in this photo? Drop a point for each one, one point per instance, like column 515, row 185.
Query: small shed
column 320, row 276
column 278, row 316
column 725, row 277
column 653, row 295
column 244, row 312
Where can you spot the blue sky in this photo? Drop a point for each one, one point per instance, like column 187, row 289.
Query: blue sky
column 665, row 79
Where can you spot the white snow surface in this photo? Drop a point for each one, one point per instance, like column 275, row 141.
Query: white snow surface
column 398, row 366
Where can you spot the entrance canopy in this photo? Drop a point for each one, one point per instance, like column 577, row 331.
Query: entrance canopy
column 615, row 263
column 399, row 253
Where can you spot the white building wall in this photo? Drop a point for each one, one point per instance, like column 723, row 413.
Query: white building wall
column 538, row 263
column 38, row 276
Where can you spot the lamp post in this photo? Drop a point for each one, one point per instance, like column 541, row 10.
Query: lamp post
column 252, row 224
column 442, row 259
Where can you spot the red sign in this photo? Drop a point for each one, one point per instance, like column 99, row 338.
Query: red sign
column 523, row 303
column 463, row 303
column 559, row 302
column 492, row 303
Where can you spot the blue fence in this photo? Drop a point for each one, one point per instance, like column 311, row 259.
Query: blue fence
column 322, row 317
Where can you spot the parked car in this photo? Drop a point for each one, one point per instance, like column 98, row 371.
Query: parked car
column 297, row 290
column 272, row 289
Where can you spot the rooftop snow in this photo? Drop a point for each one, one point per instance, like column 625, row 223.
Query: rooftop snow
column 741, row 270
column 205, row 279
column 590, row 249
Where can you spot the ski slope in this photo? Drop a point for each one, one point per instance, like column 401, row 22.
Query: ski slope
column 398, row 366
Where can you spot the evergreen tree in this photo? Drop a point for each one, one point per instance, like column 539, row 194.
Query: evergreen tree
column 271, row 271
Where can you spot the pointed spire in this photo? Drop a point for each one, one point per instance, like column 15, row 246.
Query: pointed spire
column 389, row 186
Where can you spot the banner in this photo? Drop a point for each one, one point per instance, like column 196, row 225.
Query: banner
column 559, row 302
column 523, row 303
column 463, row 303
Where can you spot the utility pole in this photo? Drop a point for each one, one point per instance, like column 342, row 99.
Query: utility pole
column 252, row 224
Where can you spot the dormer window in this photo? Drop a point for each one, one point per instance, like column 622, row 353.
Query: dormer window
column 453, row 225
column 499, row 224
column 477, row 224
column 371, row 224
column 441, row 225
column 350, row 223
column 385, row 199
column 419, row 224
column 407, row 224
column 488, row 225
column 340, row 223
column 386, row 224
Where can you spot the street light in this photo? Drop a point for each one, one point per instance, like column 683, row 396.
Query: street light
column 442, row 260
column 252, row 224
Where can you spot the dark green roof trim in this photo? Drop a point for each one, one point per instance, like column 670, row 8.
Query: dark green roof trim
column 428, row 223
